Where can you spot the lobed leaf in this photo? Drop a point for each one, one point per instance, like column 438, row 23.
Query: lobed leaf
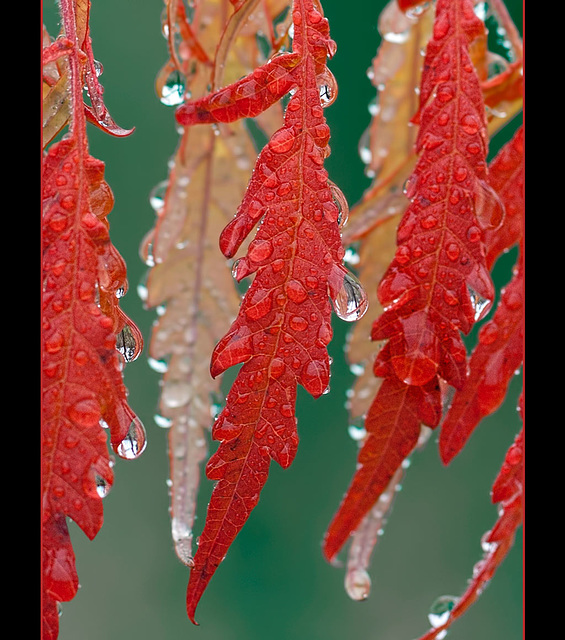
column 508, row 492
column 281, row 333
column 499, row 352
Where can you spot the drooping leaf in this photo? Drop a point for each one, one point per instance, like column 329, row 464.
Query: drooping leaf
column 197, row 297
column 83, row 330
column 499, row 352
column 283, row 328
column 508, row 493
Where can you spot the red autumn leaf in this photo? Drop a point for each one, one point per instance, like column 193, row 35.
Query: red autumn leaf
column 437, row 284
column 393, row 426
column 284, row 324
column 508, row 492
column 431, row 288
column 499, row 352
column 82, row 386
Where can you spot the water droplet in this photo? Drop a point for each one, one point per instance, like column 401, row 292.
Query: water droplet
column 298, row 323
column 356, row 432
column 281, row 141
column 133, row 445
column 350, row 301
column 441, row 610
column 85, row 412
column 129, row 343
column 172, row 93
column 260, row 250
column 480, row 305
column 296, row 291
column 328, row 88
column 162, row 421
column 357, row 584
column 157, row 195
column 102, row 486
column 342, row 205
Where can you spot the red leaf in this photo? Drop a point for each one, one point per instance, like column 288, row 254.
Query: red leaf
column 82, row 386
column 497, row 356
column 499, row 352
column 393, row 425
column 508, row 490
column 506, row 177
column 284, row 324
column 439, row 269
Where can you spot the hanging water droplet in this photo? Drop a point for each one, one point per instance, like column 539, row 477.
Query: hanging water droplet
column 133, row 445
column 182, row 537
column 357, row 432
column 161, row 421
column 172, row 93
column 357, row 584
column 157, row 195
column 159, row 366
column 328, row 88
column 102, row 486
column 127, row 343
column 350, row 302
column 441, row 610
column 480, row 305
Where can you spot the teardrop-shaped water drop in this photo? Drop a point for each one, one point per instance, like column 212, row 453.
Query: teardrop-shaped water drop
column 441, row 610
column 350, row 302
column 328, row 88
column 157, row 195
column 357, row 584
column 129, row 343
column 172, row 93
column 102, row 486
column 480, row 305
column 133, row 445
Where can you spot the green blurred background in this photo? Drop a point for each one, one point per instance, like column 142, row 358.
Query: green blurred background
column 274, row 582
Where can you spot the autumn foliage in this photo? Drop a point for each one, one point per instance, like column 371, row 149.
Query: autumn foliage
column 251, row 82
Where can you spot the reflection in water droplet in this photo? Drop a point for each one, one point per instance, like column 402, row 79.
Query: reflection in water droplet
column 328, row 88
column 102, row 486
column 172, row 93
column 357, row 584
column 480, row 305
column 133, row 445
column 441, row 610
column 128, row 344
column 157, row 195
column 350, row 302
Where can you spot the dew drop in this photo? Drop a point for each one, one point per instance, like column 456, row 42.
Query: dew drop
column 440, row 610
column 298, row 323
column 260, row 250
column 133, row 445
column 296, row 291
column 281, row 141
column 328, row 88
column 357, row 584
column 102, row 486
column 350, row 302
column 129, row 343
column 157, row 195
column 480, row 305
column 85, row 412
column 172, row 93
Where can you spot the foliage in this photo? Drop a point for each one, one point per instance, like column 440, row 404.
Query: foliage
column 253, row 78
